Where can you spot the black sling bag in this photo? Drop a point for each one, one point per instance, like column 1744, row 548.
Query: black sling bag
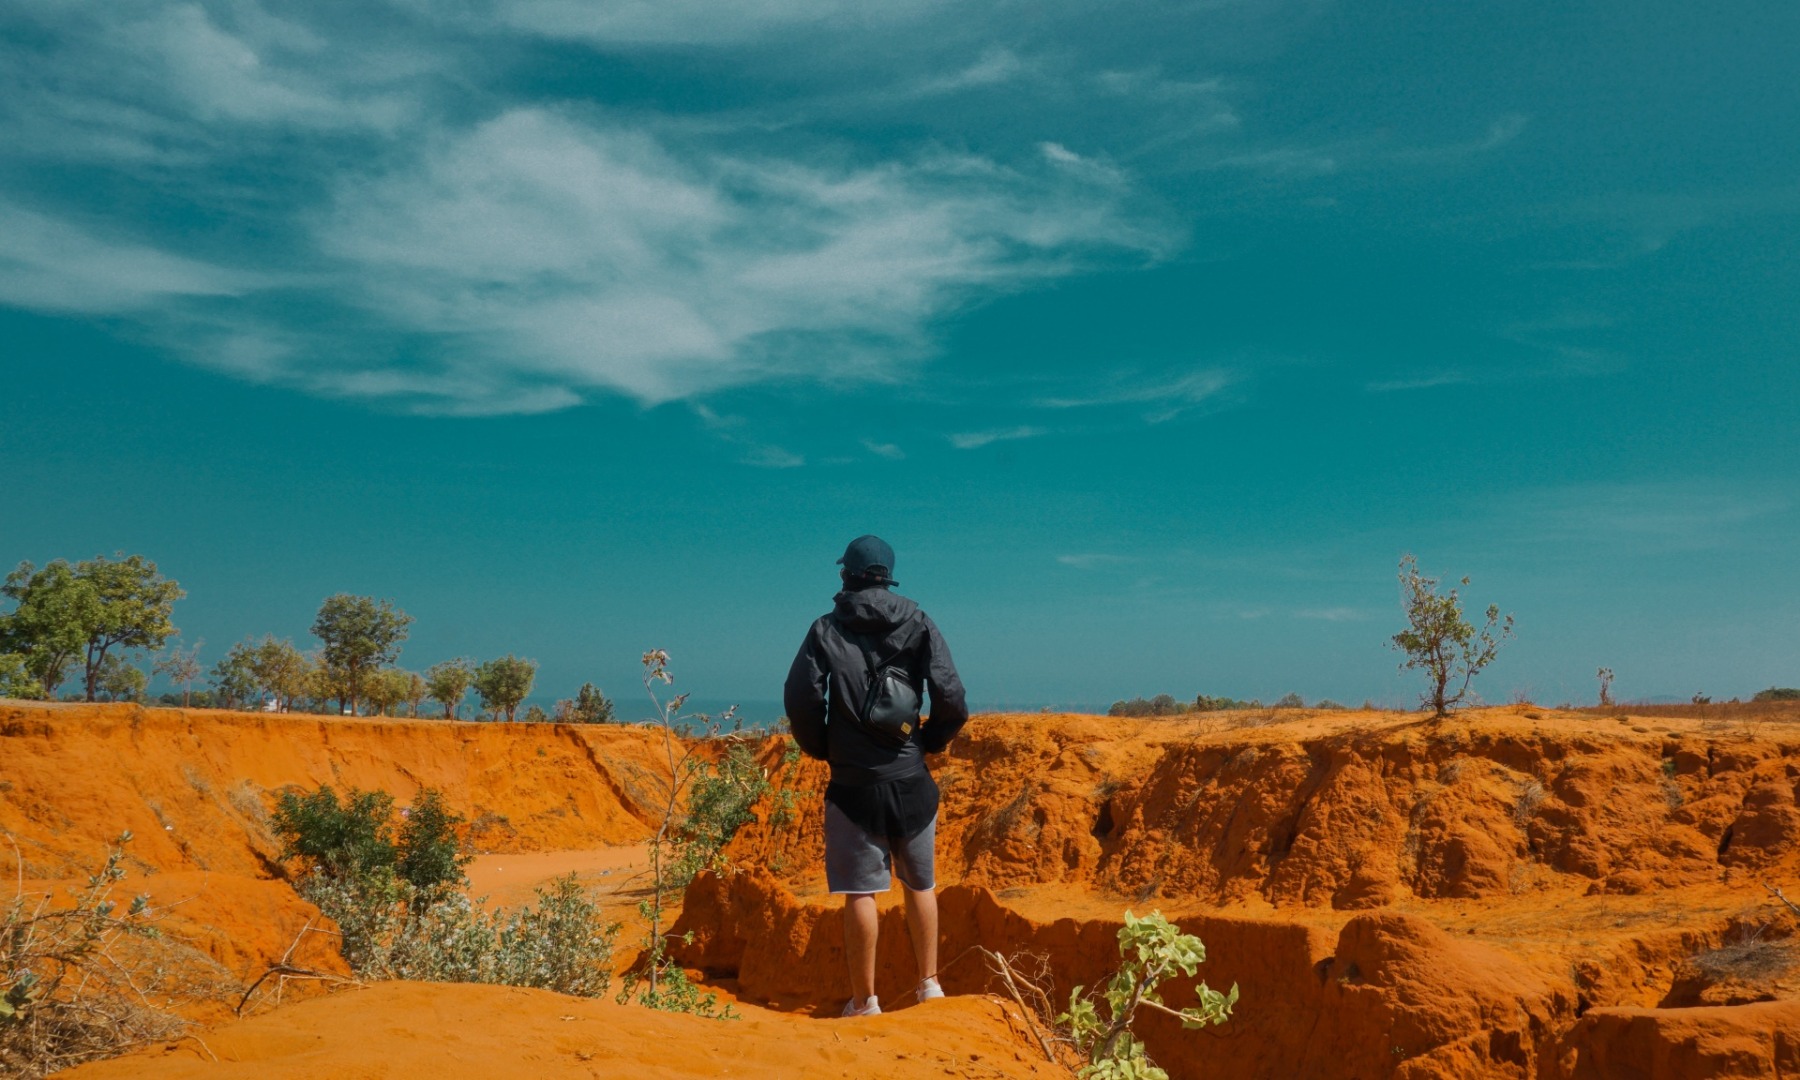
column 890, row 706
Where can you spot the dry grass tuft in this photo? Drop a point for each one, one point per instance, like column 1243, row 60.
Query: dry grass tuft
column 1531, row 796
column 76, row 978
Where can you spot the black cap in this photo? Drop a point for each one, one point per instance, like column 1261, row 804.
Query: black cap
column 869, row 557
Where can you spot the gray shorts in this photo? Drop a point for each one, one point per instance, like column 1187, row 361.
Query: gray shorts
column 857, row 862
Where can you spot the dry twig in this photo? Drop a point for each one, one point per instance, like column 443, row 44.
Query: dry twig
column 1011, row 979
column 284, row 969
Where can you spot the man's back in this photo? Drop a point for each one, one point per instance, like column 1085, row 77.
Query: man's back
column 830, row 675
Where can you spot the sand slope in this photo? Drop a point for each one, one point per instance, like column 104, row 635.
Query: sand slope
column 406, row 1030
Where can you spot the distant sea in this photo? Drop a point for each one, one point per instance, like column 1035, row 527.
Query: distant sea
column 762, row 714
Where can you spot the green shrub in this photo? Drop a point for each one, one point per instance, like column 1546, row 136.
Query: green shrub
column 355, row 836
column 721, row 799
column 337, row 838
column 429, row 852
column 1151, row 950
column 16, row 679
column 392, row 930
column 1777, row 693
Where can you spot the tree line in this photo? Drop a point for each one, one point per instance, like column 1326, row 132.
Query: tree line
column 93, row 619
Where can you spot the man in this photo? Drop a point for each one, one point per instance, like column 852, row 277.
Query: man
column 881, row 805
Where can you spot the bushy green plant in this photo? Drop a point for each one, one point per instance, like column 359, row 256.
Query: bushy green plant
column 429, row 852
column 1777, row 693
column 1151, row 949
column 120, row 681
column 721, row 800
column 393, row 930
column 1166, row 705
column 1203, row 703
column 16, row 679
column 338, row 838
column 355, row 835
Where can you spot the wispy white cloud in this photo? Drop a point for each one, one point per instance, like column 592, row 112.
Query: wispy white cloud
column 679, row 22
column 1672, row 516
column 972, row 440
column 739, row 432
column 1427, row 381
column 52, row 264
column 1332, row 614
column 596, row 257
column 1361, row 154
column 1091, row 560
column 886, row 450
column 1164, row 396
column 995, row 66
column 171, row 83
column 1502, row 131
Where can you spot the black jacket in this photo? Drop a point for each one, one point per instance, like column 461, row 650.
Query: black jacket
column 826, row 684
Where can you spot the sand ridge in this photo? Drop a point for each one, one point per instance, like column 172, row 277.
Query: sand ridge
column 1512, row 893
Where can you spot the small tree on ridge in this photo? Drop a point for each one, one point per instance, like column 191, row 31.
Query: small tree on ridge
column 1439, row 641
column 447, row 682
column 360, row 635
column 504, row 683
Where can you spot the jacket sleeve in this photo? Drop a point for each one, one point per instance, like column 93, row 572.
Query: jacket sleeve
column 804, row 696
column 949, row 705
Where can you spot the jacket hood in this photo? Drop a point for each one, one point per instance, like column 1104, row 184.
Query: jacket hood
column 872, row 611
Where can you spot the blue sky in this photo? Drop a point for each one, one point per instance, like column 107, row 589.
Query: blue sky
column 1150, row 335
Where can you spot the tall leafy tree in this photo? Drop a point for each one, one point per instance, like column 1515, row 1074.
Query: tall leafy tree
column 359, row 635
column 53, row 610
column 447, row 682
column 503, row 684
column 135, row 605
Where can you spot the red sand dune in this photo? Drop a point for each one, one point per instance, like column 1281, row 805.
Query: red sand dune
column 1517, row 893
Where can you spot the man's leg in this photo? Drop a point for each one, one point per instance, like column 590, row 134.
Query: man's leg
column 922, row 926
column 860, row 926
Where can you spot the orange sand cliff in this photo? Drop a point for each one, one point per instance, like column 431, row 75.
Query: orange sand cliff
column 1517, row 893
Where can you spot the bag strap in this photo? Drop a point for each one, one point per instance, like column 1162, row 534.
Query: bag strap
column 862, row 644
column 874, row 672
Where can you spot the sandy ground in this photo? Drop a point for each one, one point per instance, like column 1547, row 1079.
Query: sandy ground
column 616, row 875
column 406, row 1030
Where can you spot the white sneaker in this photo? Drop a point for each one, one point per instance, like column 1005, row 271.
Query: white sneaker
column 871, row 1006
column 929, row 990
